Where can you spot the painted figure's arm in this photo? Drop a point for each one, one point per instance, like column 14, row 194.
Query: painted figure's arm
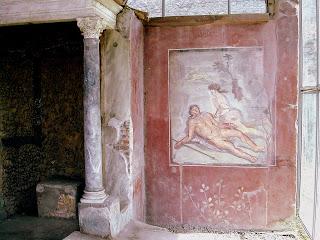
column 220, row 125
column 187, row 138
column 213, row 121
column 227, row 125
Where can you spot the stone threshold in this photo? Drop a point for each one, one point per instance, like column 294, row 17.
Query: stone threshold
column 141, row 231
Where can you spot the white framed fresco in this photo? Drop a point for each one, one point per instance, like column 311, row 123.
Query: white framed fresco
column 221, row 107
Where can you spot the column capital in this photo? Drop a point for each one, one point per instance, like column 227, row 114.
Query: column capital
column 92, row 27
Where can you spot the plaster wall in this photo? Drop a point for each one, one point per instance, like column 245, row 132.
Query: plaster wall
column 115, row 111
column 122, row 113
column 137, row 108
column 220, row 197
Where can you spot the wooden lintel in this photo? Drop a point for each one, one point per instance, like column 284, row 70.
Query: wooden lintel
column 208, row 19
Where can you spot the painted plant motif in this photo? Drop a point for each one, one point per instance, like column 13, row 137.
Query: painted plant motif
column 220, row 107
column 218, row 209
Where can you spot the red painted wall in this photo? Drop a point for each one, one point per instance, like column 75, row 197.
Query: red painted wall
column 137, row 110
column 244, row 198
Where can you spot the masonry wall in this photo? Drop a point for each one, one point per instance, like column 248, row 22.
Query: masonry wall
column 237, row 197
column 122, row 113
column 116, row 116
column 41, row 110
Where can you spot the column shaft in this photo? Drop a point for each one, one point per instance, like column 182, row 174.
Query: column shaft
column 91, row 29
column 92, row 116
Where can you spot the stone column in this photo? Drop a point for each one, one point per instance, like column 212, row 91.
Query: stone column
column 91, row 28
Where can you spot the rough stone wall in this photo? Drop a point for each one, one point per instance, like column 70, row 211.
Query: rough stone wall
column 62, row 119
column 124, row 139
column 19, row 164
column 41, row 110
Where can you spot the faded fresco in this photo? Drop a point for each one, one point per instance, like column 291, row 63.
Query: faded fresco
column 221, row 107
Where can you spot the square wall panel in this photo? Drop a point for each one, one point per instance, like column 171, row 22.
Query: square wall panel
column 247, row 6
column 195, row 7
column 153, row 7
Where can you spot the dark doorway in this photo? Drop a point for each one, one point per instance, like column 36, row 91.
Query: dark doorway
column 41, row 126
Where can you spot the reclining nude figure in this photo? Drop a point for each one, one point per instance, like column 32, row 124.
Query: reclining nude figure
column 204, row 125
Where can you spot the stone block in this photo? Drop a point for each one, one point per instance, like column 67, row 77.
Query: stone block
column 80, row 236
column 58, row 198
column 100, row 219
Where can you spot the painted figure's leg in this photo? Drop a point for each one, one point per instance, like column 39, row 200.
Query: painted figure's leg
column 249, row 130
column 228, row 146
column 244, row 138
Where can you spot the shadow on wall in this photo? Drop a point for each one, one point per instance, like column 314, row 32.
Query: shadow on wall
column 41, row 129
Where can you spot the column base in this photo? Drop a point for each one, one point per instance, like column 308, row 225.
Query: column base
column 99, row 218
column 94, row 197
column 94, row 219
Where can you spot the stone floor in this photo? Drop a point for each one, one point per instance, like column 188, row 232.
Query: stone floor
column 34, row 228
column 141, row 231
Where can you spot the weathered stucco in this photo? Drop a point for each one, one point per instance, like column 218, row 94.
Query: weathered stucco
column 122, row 115
column 115, row 88
column 137, row 109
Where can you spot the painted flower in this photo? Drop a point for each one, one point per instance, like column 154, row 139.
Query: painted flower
column 204, row 188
